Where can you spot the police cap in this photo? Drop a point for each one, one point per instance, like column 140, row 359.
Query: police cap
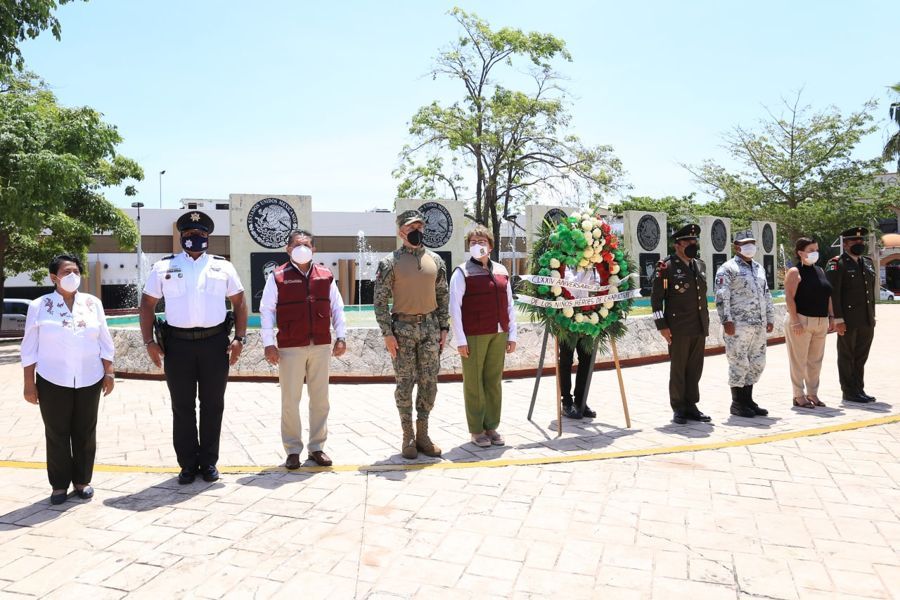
column 195, row 220
column 409, row 216
column 854, row 233
column 688, row 232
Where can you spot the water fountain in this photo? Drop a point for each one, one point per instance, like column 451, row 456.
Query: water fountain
column 366, row 263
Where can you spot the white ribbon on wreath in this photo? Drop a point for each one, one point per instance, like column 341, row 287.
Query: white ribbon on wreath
column 572, row 285
column 589, row 301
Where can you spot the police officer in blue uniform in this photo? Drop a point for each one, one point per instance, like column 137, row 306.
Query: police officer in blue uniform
column 852, row 277
column 195, row 340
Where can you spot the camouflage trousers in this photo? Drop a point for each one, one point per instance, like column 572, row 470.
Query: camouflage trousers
column 746, row 352
column 417, row 363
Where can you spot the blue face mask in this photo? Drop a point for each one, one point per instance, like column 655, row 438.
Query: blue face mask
column 194, row 243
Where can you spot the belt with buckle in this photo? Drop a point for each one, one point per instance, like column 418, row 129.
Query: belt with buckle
column 195, row 333
column 418, row 319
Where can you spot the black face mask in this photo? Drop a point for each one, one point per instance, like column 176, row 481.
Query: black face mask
column 857, row 249
column 414, row 237
column 194, row 243
column 691, row 250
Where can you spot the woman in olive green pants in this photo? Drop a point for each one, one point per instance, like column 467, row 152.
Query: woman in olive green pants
column 484, row 330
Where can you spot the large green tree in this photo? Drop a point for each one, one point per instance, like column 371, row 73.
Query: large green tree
column 892, row 147
column 798, row 168
column 22, row 20
column 55, row 163
column 507, row 146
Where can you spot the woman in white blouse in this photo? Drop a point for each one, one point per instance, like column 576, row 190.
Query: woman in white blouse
column 67, row 356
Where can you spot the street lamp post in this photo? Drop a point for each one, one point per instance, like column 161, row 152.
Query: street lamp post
column 161, row 173
column 140, row 265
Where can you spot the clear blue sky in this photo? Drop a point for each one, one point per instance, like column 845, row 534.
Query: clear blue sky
column 314, row 98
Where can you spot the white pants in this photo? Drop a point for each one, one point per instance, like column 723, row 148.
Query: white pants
column 294, row 365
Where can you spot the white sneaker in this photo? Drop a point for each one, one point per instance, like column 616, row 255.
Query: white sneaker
column 481, row 440
column 495, row 438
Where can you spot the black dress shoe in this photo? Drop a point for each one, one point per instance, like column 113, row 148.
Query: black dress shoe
column 867, row 396
column 187, row 476
column 859, row 398
column 694, row 414
column 589, row 412
column 759, row 410
column 569, row 411
column 58, row 498
column 210, row 473
column 292, row 462
column 679, row 418
column 85, row 493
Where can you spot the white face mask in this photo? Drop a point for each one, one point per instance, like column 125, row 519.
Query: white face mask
column 70, row 282
column 301, row 254
column 478, row 251
column 748, row 250
column 811, row 258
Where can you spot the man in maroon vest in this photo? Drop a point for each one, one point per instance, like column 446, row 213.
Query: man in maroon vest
column 302, row 299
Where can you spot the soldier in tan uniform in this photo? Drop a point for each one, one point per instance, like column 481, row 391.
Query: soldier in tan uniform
column 415, row 327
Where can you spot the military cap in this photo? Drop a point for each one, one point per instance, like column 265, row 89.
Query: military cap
column 744, row 236
column 688, row 232
column 409, row 216
column 195, row 220
column 854, row 232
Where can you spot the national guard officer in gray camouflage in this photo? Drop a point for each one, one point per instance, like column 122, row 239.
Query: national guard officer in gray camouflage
column 682, row 318
column 852, row 277
column 415, row 328
column 747, row 315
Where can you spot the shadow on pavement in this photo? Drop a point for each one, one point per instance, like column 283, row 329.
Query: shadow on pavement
column 823, row 412
column 36, row 513
column 694, row 429
column 166, row 493
column 588, row 438
column 876, row 407
column 753, row 422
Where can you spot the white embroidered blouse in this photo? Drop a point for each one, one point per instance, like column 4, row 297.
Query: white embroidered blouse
column 67, row 346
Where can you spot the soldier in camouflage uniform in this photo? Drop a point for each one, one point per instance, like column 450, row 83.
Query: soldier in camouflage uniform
column 747, row 314
column 415, row 328
column 853, row 283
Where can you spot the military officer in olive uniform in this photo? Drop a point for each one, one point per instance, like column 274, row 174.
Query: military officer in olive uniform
column 852, row 277
column 415, row 327
column 195, row 341
column 682, row 317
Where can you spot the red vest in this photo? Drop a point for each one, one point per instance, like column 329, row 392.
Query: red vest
column 485, row 304
column 303, row 312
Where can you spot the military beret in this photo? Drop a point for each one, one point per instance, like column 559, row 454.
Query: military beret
column 854, row 232
column 688, row 232
column 409, row 216
column 195, row 220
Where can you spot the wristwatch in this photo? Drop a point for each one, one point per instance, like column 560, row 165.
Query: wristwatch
column 239, row 338
column 342, row 340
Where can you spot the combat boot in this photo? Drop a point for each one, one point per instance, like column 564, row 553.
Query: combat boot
column 757, row 409
column 408, row 450
column 423, row 442
column 739, row 408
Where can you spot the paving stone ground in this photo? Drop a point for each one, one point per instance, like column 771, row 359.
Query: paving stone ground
column 808, row 517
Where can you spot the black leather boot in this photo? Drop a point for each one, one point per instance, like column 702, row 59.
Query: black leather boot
column 757, row 409
column 739, row 408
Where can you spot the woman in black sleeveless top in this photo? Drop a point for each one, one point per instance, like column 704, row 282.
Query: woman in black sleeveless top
column 809, row 319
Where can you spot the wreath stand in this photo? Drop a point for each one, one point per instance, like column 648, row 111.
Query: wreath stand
column 587, row 384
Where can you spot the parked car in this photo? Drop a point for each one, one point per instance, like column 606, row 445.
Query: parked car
column 887, row 294
column 14, row 311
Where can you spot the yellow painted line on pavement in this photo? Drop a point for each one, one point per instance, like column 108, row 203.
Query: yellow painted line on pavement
column 500, row 462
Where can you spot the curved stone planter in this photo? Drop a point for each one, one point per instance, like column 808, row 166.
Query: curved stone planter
column 367, row 361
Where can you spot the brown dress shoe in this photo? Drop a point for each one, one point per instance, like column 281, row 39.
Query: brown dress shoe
column 292, row 462
column 320, row 458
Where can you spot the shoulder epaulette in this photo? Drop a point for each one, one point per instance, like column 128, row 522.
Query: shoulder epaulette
column 169, row 257
column 217, row 257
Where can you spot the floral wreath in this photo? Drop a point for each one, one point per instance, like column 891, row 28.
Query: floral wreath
column 582, row 241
